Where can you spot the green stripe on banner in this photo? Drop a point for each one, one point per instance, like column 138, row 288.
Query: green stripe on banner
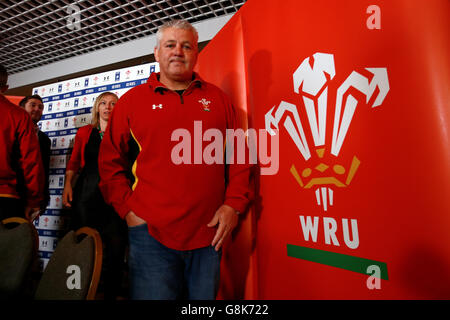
column 337, row 260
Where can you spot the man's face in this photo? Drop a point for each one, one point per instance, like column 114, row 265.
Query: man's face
column 34, row 107
column 177, row 54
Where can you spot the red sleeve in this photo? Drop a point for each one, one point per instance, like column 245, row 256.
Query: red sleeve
column 76, row 161
column 238, row 192
column 113, row 159
column 31, row 162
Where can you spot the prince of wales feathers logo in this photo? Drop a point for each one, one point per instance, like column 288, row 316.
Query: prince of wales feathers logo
column 311, row 80
column 205, row 103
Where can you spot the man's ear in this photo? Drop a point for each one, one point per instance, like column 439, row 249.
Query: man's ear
column 155, row 52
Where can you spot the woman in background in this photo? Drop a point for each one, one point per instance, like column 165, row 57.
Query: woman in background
column 88, row 207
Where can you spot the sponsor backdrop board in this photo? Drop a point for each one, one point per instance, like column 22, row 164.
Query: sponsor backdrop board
column 67, row 107
column 359, row 207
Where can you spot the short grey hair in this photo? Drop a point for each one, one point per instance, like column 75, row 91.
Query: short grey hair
column 178, row 24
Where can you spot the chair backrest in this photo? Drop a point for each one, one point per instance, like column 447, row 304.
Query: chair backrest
column 18, row 249
column 73, row 271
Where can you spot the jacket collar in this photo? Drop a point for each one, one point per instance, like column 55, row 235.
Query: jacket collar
column 156, row 85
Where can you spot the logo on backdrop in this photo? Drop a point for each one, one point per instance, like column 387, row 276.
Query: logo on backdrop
column 311, row 81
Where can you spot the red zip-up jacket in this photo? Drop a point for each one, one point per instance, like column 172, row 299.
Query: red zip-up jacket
column 19, row 154
column 76, row 162
column 176, row 200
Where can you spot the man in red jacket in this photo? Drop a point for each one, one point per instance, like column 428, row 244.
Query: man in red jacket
column 34, row 106
column 178, row 214
column 20, row 158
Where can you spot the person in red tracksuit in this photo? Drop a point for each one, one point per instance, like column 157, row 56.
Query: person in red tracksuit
column 178, row 214
column 20, row 158
column 34, row 106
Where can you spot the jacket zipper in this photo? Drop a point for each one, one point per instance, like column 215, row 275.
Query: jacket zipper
column 181, row 95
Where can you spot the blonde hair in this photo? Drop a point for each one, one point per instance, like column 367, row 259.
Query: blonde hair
column 95, row 114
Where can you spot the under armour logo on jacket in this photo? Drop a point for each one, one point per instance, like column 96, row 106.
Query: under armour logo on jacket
column 157, row 106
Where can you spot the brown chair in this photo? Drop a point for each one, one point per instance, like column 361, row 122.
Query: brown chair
column 18, row 251
column 73, row 271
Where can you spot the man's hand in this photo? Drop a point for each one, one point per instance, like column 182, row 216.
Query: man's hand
column 227, row 219
column 133, row 220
